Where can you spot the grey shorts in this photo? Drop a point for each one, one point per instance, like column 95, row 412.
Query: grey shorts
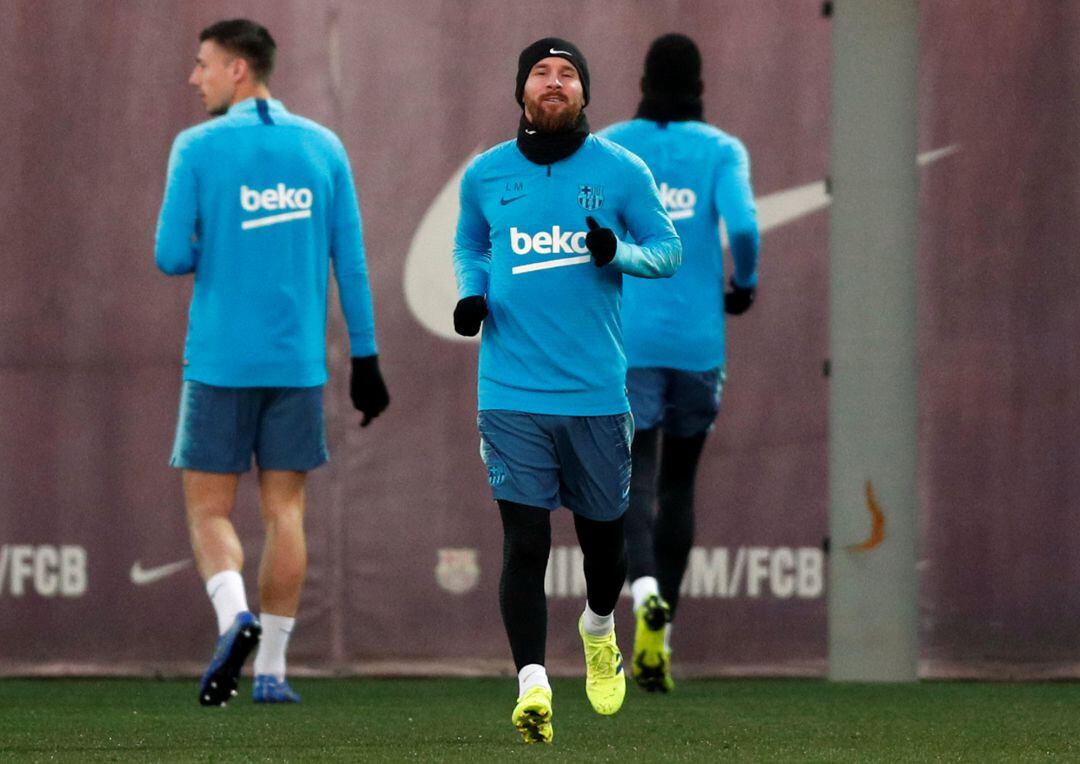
column 219, row 428
column 548, row 461
column 683, row 403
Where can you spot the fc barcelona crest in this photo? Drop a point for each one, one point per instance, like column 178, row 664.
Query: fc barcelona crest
column 591, row 197
column 458, row 570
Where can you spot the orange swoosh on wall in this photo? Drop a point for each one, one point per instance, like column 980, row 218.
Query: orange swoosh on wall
column 877, row 524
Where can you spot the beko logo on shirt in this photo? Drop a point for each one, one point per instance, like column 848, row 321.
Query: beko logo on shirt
column 553, row 242
column 280, row 198
column 679, row 202
column 297, row 200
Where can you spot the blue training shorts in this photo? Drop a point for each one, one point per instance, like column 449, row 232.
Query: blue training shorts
column 219, row 428
column 548, row 460
column 683, row 403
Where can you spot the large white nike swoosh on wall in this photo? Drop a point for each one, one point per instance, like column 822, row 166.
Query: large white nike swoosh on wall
column 782, row 207
column 430, row 287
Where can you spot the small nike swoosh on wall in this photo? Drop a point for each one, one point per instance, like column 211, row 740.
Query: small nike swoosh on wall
column 141, row 576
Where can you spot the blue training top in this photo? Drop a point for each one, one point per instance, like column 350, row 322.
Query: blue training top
column 552, row 342
column 704, row 174
column 257, row 203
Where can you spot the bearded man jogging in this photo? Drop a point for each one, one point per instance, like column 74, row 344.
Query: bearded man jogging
column 550, row 223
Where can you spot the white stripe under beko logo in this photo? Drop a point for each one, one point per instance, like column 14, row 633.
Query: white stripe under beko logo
column 284, row 217
column 297, row 200
column 543, row 266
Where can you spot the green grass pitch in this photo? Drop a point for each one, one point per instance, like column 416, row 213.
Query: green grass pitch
column 449, row 720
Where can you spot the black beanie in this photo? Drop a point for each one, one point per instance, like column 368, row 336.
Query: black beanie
column 672, row 66
column 545, row 48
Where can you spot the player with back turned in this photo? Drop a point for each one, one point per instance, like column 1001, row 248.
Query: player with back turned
column 675, row 332
column 550, row 223
column 258, row 204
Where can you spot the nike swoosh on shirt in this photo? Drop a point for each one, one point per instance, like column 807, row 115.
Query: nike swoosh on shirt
column 504, row 201
column 141, row 576
column 430, row 285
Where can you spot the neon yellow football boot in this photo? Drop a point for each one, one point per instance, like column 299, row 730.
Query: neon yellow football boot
column 605, row 680
column 652, row 659
column 532, row 715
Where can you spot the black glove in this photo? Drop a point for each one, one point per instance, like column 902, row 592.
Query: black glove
column 738, row 300
column 601, row 243
column 367, row 389
column 469, row 314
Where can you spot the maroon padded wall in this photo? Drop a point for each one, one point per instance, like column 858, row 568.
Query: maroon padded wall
column 404, row 540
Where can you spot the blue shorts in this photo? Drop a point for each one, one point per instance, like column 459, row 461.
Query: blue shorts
column 548, row 461
column 220, row 427
column 683, row 403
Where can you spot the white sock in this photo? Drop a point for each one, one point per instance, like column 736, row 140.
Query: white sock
column 533, row 675
column 226, row 590
column 276, row 630
column 667, row 637
column 598, row 625
column 641, row 588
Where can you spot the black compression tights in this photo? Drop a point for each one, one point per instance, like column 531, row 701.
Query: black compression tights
column 604, row 548
column 526, row 544
column 660, row 546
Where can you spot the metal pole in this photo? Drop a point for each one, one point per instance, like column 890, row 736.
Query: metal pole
column 873, row 511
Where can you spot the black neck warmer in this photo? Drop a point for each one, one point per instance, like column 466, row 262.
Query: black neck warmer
column 546, row 148
column 671, row 107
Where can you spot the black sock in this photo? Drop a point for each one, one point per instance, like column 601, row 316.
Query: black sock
column 674, row 529
column 604, row 547
column 526, row 545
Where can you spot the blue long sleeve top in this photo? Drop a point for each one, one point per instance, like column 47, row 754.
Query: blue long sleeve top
column 258, row 203
column 552, row 342
column 704, row 175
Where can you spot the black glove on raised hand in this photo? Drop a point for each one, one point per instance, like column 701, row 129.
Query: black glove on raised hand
column 737, row 299
column 469, row 314
column 601, row 242
column 367, row 389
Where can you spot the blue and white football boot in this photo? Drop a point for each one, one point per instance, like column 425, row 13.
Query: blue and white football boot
column 269, row 689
